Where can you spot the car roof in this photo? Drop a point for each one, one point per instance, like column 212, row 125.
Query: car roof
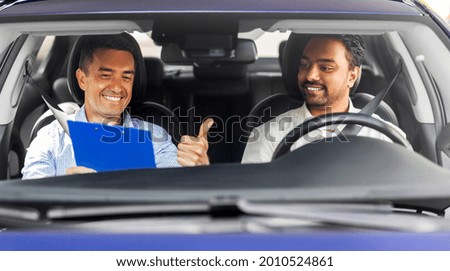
column 58, row 7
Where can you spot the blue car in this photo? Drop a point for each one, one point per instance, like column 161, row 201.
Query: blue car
column 240, row 63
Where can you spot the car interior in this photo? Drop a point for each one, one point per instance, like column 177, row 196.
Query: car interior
column 219, row 71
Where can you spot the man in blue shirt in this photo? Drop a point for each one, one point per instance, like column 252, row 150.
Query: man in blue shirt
column 106, row 74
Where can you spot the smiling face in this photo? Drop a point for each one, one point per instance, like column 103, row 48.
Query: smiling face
column 325, row 76
column 107, row 85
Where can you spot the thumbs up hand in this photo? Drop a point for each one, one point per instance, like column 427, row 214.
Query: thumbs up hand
column 192, row 151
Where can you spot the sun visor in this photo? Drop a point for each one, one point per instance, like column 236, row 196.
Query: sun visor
column 219, row 52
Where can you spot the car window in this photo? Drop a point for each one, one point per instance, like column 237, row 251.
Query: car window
column 148, row 47
column 267, row 43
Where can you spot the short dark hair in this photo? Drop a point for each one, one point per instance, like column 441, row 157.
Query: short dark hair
column 91, row 43
column 355, row 48
column 354, row 45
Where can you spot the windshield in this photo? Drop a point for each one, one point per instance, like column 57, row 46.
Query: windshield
column 270, row 121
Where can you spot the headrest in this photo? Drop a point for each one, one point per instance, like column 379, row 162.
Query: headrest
column 61, row 90
column 281, row 47
column 139, row 85
column 155, row 72
column 293, row 51
column 291, row 61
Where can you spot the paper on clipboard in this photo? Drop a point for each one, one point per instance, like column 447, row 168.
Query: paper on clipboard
column 106, row 148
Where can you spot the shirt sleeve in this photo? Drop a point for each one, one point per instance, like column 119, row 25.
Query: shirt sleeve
column 39, row 160
column 400, row 131
column 165, row 150
column 258, row 149
column 393, row 127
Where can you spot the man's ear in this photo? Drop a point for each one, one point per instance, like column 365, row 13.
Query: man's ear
column 81, row 78
column 353, row 76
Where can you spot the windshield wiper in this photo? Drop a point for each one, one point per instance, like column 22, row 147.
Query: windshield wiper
column 25, row 218
column 71, row 212
column 371, row 216
column 381, row 216
column 24, row 213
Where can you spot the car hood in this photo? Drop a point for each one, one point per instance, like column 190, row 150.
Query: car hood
column 375, row 171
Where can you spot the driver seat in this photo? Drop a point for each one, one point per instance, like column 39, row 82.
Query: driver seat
column 276, row 104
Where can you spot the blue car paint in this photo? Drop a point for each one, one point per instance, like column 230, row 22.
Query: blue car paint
column 366, row 241
column 52, row 7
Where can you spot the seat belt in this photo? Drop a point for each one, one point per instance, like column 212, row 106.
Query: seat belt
column 57, row 112
column 370, row 107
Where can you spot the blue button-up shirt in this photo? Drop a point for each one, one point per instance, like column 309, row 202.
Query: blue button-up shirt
column 51, row 152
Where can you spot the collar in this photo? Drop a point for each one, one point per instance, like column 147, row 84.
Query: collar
column 351, row 109
column 80, row 115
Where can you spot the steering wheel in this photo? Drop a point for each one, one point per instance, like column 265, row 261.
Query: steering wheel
column 335, row 119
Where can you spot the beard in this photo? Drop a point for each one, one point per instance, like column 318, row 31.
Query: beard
column 315, row 98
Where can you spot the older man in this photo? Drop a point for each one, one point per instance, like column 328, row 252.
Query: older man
column 106, row 75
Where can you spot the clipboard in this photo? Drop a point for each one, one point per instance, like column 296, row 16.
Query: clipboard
column 108, row 148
